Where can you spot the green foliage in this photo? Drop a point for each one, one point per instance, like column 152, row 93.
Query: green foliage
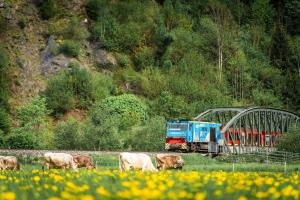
column 33, row 128
column 170, row 106
column 70, row 88
column 153, row 134
column 102, row 86
column 290, row 142
column 67, row 135
column 48, row 9
column 126, row 108
column 4, row 60
column 265, row 98
column 75, row 30
column 22, row 139
column 70, row 48
column 144, row 58
column 100, row 132
column 33, row 114
column 4, row 122
column 95, row 9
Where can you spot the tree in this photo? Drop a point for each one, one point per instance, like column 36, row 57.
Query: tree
column 221, row 17
column 67, row 135
column 290, row 142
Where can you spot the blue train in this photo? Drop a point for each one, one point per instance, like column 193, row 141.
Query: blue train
column 195, row 136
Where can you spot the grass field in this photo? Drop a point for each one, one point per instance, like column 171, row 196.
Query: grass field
column 193, row 162
column 202, row 178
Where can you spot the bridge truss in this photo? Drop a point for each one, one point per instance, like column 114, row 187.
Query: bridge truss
column 247, row 129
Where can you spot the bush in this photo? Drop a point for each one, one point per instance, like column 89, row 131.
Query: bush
column 59, row 94
column 144, row 58
column 70, row 48
column 102, row 86
column 70, row 88
column 75, row 30
column 33, row 114
column 169, row 106
column 153, row 134
column 290, row 142
column 21, row 139
column 101, row 132
column 67, row 135
column 95, row 9
column 4, row 122
column 48, row 9
column 126, row 108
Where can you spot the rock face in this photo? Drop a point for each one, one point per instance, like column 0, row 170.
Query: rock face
column 104, row 59
column 51, row 63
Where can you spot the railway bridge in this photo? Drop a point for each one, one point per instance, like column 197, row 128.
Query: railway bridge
column 248, row 129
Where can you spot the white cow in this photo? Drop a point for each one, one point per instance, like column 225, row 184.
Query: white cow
column 59, row 160
column 133, row 161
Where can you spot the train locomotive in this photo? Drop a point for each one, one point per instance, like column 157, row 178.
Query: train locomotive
column 196, row 136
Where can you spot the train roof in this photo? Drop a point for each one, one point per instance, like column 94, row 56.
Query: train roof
column 193, row 121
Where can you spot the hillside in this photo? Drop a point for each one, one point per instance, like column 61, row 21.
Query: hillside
column 98, row 74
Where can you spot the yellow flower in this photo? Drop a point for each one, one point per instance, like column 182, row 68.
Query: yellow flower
column 261, row 195
column 7, row 196
column 86, row 197
column 102, row 191
column 54, row 198
column 200, row 196
column 36, row 178
column 242, row 198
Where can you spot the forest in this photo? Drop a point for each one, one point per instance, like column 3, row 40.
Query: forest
column 167, row 59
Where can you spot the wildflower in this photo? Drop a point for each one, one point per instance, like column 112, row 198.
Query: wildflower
column 7, row 196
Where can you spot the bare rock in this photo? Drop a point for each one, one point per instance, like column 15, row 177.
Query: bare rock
column 104, row 58
column 55, row 64
column 50, row 50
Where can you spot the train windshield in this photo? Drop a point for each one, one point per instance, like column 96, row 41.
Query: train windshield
column 178, row 126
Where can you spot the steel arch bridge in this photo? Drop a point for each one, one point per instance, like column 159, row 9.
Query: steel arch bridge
column 248, row 129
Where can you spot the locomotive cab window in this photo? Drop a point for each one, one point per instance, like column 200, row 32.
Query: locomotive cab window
column 213, row 134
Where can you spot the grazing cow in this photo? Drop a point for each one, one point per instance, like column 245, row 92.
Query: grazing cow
column 169, row 161
column 59, row 161
column 9, row 163
column 134, row 161
column 84, row 161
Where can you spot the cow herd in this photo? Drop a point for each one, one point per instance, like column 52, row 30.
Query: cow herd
column 127, row 162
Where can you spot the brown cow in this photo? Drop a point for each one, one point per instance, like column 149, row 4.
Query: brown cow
column 84, row 161
column 9, row 163
column 169, row 161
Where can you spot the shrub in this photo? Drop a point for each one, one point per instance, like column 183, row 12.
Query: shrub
column 102, row 86
column 33, row 114
column 70, row 48
column 70, row 88
column 96, row 8
column 48, row 9
column 4, row 121
column 169, row 106
column 75, row 31
column 153, row 134
column 21, row 139
column 144, row 58
column 101, row 132
column 126, row 108
column 59, row 94
column 67, row 135
column 290, row 142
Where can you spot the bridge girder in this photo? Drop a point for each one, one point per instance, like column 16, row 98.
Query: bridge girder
column 256, row 126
